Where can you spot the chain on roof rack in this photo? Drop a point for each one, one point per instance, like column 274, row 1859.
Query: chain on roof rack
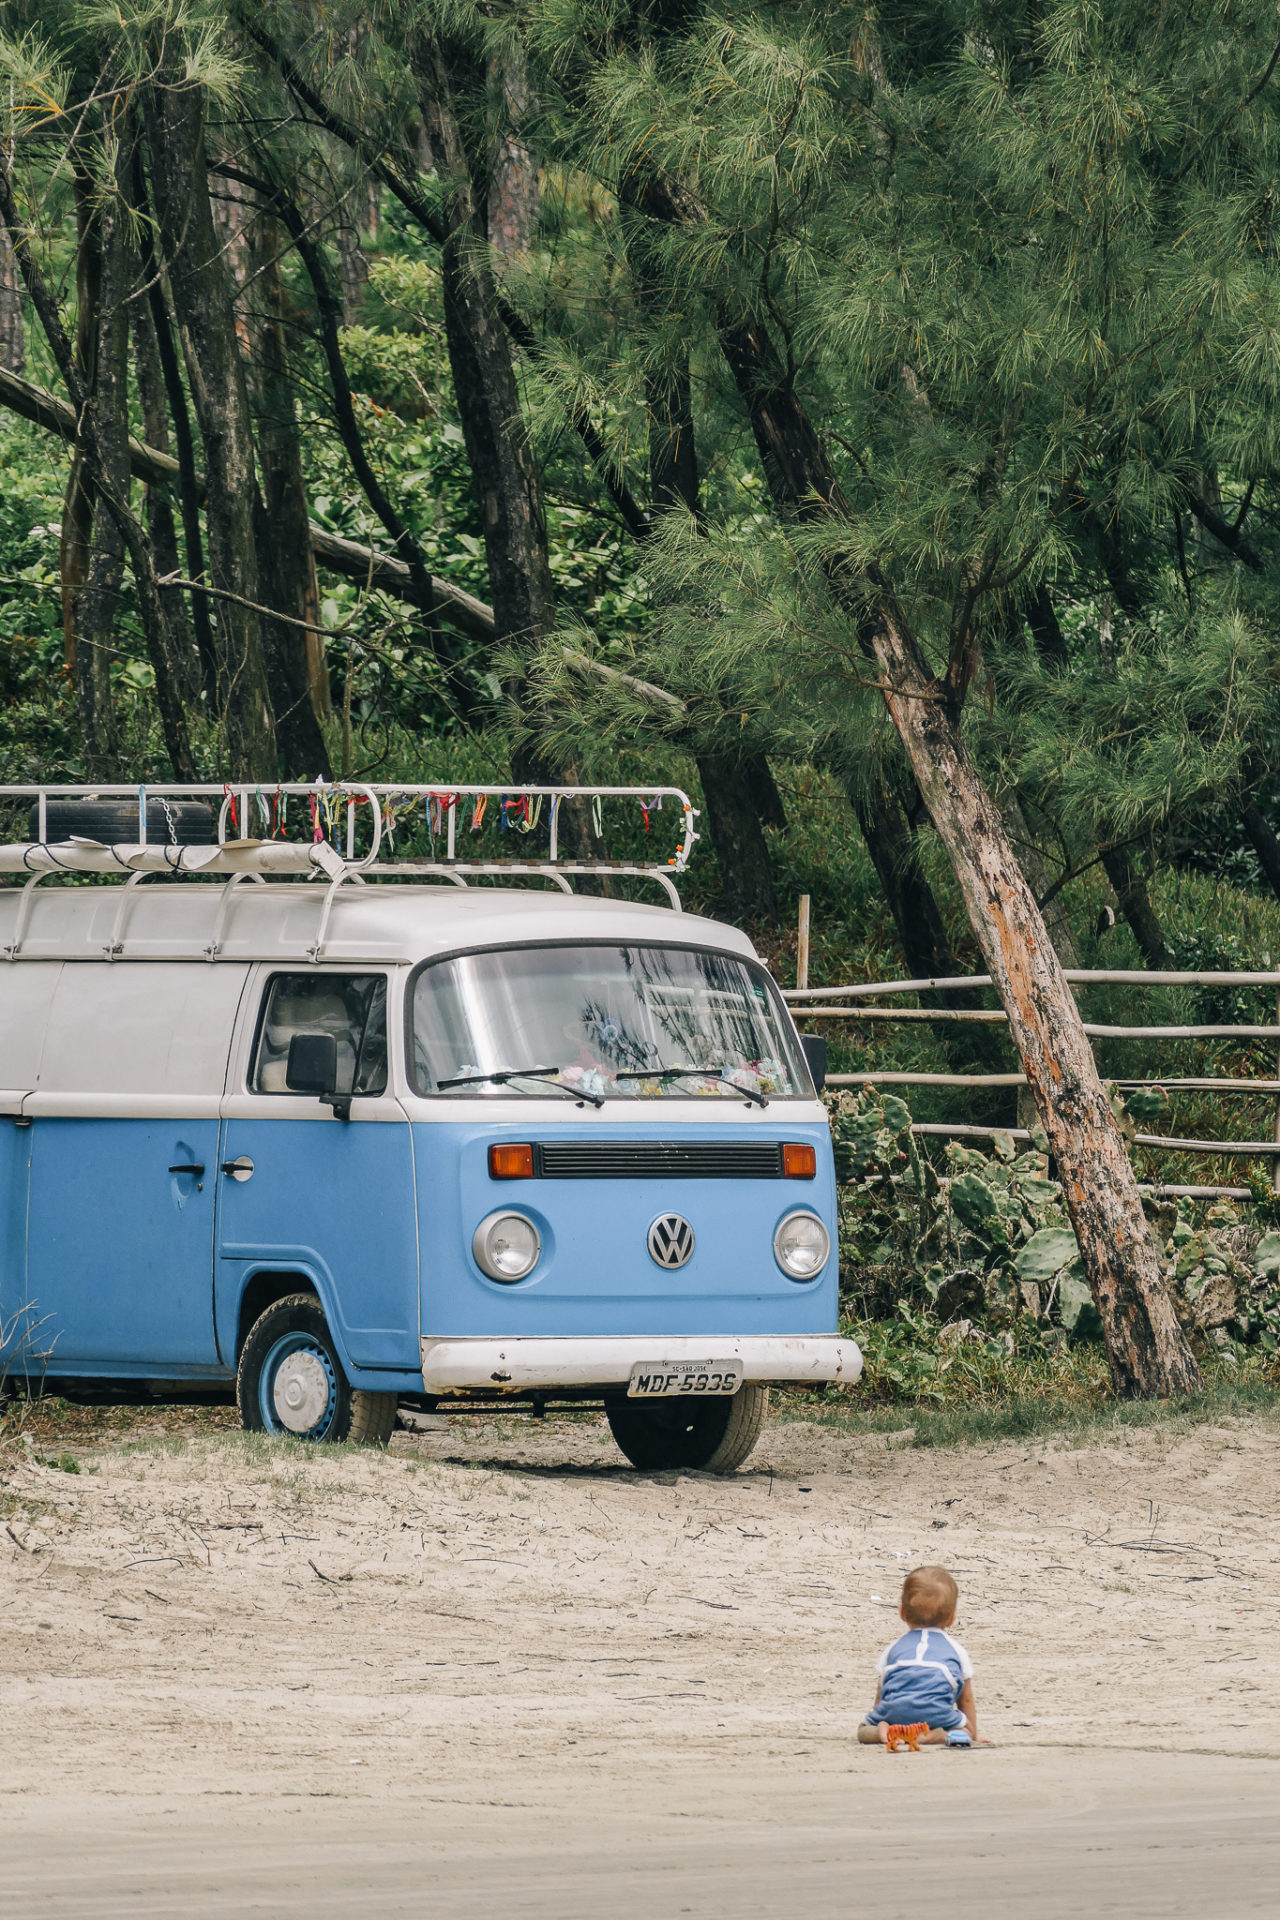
column 349, row 827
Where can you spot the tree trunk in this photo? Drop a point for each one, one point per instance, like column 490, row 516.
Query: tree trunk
column 502, row 466
column 922, row 936
column 674, row 479
column 111, row 423
column 184, row 667
column 1131, row 892
column 746, row 879
column 189, row 486
column 1145, row 1344
column 13, row 353
column 356, row 221
column 296, row 669
column 94, row 612
column 202, row 303
column 76, row 540
column 763, row 789
column 1265, row 844
column 356, row 217
column 1046, row 631
column 513, row 174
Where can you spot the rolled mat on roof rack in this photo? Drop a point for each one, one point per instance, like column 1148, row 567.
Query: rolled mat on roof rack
column 170, row 823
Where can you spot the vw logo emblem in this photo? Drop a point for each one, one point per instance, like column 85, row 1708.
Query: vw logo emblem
column 670, row 1241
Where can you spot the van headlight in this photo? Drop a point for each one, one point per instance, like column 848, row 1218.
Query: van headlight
column 506, row 1246
column 801, row 1246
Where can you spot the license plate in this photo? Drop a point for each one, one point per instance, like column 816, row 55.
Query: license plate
column 665, row 1379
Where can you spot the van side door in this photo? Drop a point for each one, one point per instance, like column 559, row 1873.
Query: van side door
column 124, row 1145
column 303, row 1191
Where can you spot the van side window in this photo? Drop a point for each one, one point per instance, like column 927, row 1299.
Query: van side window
column 350, row 1006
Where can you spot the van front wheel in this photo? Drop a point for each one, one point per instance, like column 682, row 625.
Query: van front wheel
column 290, row 1381
column 713, row 1434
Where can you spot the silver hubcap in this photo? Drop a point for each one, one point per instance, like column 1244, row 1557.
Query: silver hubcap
column 300, row 1391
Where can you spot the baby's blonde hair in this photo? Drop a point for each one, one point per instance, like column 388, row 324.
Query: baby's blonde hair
column 929, row 1597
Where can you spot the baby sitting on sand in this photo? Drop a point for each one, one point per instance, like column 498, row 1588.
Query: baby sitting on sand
column 925, row 1696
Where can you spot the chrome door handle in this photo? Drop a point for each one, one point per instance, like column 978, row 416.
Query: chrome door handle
column 241, row 1169
column 197, row 1170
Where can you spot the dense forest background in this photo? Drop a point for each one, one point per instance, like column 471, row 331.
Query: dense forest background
column 864, row 415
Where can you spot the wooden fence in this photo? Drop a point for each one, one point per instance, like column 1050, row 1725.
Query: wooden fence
column 850, row 1004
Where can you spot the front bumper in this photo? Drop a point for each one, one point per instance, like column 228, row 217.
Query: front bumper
column 547, row 1363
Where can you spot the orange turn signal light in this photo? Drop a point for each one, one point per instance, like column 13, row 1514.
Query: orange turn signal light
column 799, row 1160
column 512, row 1162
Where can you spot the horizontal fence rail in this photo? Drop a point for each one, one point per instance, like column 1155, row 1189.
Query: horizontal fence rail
column 986, row 1017
column 1077, row 976
column 848, row 1003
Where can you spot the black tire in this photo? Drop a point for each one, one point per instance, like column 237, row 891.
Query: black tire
column 713, row 1435
column 295, row 1330
column 170, row 823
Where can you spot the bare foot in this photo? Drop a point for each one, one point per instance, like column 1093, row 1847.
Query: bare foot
column 869, row 1736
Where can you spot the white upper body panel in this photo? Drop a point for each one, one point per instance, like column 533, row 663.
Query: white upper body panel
column 393, row 924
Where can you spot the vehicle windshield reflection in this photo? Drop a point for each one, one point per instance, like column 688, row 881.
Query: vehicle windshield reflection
column 607, row 1023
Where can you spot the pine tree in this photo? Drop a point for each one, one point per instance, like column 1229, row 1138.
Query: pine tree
column 992, row 288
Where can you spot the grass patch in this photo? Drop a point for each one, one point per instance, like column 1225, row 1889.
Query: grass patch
column 1045, row 1415
column 154, row 1446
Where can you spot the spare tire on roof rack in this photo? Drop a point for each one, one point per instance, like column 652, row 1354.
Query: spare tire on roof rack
column 170, row 823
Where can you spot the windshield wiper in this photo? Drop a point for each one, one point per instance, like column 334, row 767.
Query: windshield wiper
column 700, row 1073
column 521, row 1073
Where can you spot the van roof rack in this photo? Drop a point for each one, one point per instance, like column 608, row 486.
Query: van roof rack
column 349, row 832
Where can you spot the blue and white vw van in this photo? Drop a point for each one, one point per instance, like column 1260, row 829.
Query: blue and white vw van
column 391, row 1139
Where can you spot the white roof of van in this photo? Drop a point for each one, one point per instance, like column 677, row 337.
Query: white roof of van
column 396, row 923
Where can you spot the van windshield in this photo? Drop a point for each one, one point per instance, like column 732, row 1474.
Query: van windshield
column 611, row 1023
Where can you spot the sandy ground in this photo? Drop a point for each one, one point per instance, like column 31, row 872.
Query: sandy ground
column 494, row 1666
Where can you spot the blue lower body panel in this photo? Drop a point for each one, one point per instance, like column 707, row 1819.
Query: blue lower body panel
column 119, row 1271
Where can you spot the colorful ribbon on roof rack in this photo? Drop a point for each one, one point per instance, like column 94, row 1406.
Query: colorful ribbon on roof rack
column 521, row 811
column 438, row 806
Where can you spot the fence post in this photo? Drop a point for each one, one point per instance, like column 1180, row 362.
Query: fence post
column 1275, row 1164
column 802, row 978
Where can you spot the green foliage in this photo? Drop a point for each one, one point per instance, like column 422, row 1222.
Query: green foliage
column 912, row 1360
column 60, row 1462
column 983, row 1256
column 37, row 731
column 980, row 1238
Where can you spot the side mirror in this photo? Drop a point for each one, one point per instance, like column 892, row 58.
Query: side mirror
column 815, row 1053
column 313, row 1063
column 313, row 1068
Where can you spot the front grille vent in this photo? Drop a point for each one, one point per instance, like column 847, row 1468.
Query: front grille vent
column 658, row 1160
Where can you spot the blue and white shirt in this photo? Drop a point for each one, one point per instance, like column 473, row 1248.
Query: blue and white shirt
column 921, row 1675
